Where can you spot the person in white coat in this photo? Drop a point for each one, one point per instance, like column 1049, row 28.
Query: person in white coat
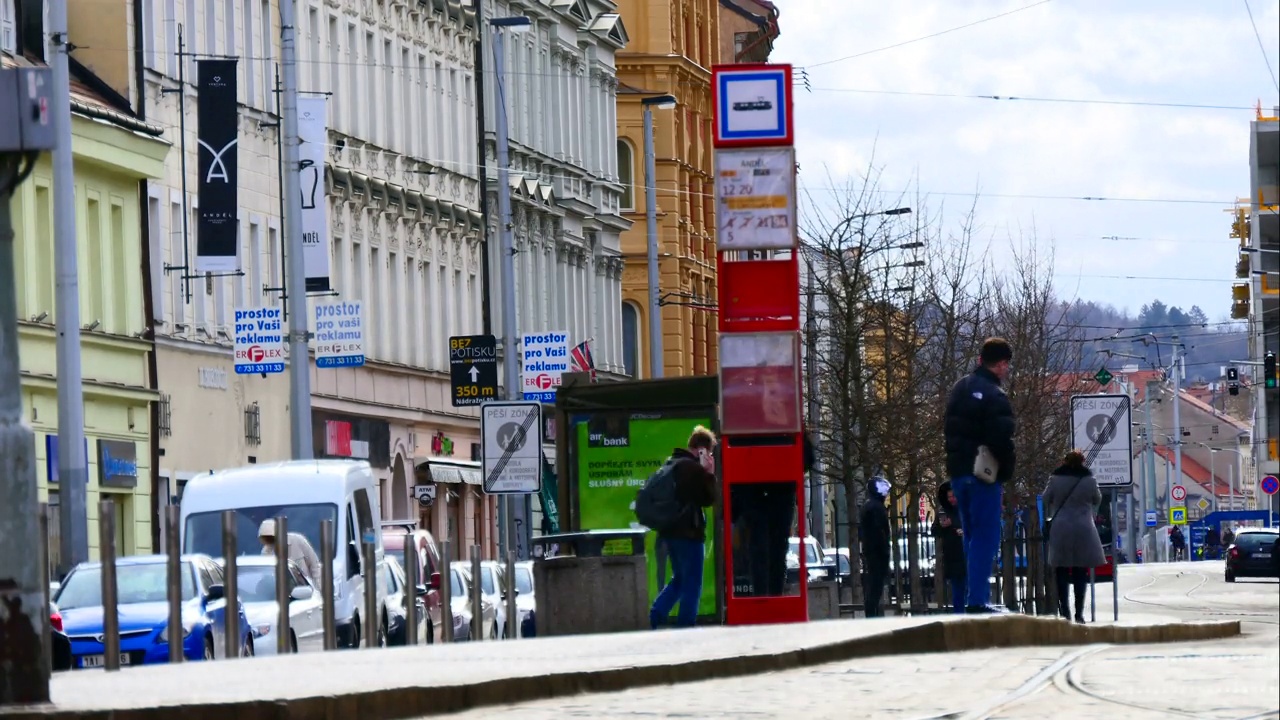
column 300, row 550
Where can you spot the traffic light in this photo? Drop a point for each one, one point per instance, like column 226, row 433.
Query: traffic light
column 1269, row 370
column 1233, row 381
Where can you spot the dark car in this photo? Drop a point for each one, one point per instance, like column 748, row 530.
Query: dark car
column 1252, row 554
column 61, row 643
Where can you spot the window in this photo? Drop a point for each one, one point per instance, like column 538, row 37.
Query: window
column 268, row 84
column 364, row 511
column 8, row 26
column 630, row 339
column 627, row 175
column 246, row 54
column 229, row 26
column 120, row 257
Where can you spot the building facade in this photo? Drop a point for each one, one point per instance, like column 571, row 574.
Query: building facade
column 113, row 152
column 401, row 192
column 674, row 47
column 748, row 29
column 566, row 191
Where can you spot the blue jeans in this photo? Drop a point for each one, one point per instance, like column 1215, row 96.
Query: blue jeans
column 979, row 505
column 686, row 559
column 957, row 595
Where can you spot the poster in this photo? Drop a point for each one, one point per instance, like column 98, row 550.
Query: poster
column 756, row 198
column 218, row 170
column 616, row 454
column 313, row 134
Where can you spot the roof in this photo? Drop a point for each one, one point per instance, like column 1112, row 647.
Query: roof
column 1205, row 407
column 1197, row 472
column 88, row 103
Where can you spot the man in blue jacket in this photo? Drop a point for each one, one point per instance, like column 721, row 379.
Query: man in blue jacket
column 979, row 414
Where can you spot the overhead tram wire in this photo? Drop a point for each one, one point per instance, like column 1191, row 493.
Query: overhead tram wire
column 1261, row 46
column 1071, row 101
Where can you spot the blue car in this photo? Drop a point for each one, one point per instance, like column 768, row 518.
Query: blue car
column 142, row 599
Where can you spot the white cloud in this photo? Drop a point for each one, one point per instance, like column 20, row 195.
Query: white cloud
column 1179, row 51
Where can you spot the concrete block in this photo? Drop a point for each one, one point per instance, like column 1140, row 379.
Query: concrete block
column 824, row 600
column 580, row 595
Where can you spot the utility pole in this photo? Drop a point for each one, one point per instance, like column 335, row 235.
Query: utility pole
column 1177, row 415
column 817, row 491
column 299, row 356
column 656, row 369
column 73, row 469
column 24, row 667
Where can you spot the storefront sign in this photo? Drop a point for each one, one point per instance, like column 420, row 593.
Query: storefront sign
column 51, row 456
column 117, row 464
column 441, row 445
column 259, row 340
column 336, row 435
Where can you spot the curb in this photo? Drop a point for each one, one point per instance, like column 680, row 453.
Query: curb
column 403, row 703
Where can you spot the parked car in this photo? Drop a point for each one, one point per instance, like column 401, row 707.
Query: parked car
column 143, row 607
column 526, row 603
column 59, row 640
column 493, row 585
column 256, row 584
column 395, row 606
column 393, row 539
column 460, row 595
column 1252, row 554
column 817, row 565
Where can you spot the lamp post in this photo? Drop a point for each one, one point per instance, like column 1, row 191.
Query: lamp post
column 511, row 372
column 665, row 102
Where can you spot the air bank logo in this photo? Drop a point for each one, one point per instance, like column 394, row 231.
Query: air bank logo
column 609, row 430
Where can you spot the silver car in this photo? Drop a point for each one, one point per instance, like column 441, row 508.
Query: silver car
column 460, row 599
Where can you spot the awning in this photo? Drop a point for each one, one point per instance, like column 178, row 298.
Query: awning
column 450, row 471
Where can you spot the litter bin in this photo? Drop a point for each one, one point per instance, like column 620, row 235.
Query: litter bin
column 594, row 581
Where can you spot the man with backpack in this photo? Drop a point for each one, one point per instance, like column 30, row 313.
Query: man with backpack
column 671, row 503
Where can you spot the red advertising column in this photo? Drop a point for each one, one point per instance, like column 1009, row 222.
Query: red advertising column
column 762, row 450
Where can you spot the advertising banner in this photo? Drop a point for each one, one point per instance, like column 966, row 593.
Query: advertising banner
column 616, row 453
column 218, row 169
column 313, row 132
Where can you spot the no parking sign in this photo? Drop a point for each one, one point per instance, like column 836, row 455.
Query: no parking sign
column 1269, row 485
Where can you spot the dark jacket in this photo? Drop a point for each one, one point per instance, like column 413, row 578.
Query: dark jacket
column 979, row 413
column 696, row 488
column 874, row 532
column 949, row 535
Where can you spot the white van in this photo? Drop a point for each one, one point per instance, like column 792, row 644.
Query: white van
column 306, row 492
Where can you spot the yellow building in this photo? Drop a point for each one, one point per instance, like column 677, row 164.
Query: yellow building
column 671, row 50
column 112, row 152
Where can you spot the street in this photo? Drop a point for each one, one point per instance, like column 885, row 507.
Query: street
column 1234, row 678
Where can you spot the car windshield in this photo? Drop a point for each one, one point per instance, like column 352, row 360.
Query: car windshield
column 811, row 557
column 524, row 581
column 141, row 583
column 257, row 583
column 204, row 530
column 842, row 564
column 1255, row 540
column 486, row 581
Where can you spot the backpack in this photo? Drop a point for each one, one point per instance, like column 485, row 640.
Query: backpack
column 657, row 506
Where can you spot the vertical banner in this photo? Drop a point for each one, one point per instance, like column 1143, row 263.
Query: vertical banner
column 217, row 239
column 313, row 133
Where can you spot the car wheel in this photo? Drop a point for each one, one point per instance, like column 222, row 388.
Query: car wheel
column 1229, row 578
column 208, row 648
column 355, row 632
column 382, row 632
column 493, row 631
column 431, row 634
column 247, row 650
column 293, row 643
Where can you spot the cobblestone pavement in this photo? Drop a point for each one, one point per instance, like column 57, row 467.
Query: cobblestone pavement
column 1229, row 680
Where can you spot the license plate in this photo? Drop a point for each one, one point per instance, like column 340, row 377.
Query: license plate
column 96, row 661
column 1262, row 555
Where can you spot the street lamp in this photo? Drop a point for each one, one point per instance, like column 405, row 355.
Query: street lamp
column 662, row 102
column 511, row 373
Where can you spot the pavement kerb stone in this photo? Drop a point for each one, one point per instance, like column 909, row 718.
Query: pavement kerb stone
column 401, row 703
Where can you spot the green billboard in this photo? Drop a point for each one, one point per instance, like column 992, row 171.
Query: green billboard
column 616, row 452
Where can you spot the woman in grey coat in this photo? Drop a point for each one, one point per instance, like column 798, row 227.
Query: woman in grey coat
column 1071, row 501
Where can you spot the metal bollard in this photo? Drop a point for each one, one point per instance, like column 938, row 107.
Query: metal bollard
column 46, row 631
column 370, row 595
column 326, row 585
column 446, row 594
column 283, row 646
column 110, row 606
column 513, row 614
column 411, row 588
column 477, row 604
column 1093, row 596
column 173, row 561
column 230, row 585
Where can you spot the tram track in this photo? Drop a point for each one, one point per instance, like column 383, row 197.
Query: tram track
column 1218, row 610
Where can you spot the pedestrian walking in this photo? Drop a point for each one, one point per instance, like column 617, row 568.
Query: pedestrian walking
column 671, row 503
column 873, row 527
column 1070, row 500
column 300, row 550
column 947, row 528
column 978, row 430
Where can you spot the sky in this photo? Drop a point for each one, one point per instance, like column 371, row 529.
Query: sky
column 1191, row 163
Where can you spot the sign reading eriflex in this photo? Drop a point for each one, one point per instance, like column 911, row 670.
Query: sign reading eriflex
column 259, row 340
column 218, row 169
column 117, row 463
column 546, row 359
column 339, row 334
column 1100, row 428
column 313, row 133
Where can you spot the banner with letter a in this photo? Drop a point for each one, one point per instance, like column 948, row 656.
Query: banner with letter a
column 217, row 224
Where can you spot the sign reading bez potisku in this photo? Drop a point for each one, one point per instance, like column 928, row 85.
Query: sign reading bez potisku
column 259, row 340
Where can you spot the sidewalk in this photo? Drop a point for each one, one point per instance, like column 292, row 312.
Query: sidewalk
column 412, row 682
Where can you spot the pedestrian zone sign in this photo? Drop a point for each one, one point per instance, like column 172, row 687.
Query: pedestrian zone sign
column 1100, row 427
column 1178, row 516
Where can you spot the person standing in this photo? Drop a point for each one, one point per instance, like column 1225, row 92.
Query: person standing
column 298, row 547
column 692, row 470
column 1070, row 500
column 873, row 524
column 978, row 430
column 947, row 528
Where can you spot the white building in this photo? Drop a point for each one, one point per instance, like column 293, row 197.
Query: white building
column 403, row 201
column 566, row 195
